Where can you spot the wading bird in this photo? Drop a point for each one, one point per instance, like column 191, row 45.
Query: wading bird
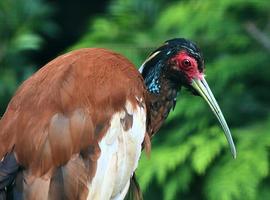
column 76, row 128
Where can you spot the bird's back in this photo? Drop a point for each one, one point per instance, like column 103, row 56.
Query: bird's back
column 61, row 113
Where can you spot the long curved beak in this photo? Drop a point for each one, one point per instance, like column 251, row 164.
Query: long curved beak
column 203, row 89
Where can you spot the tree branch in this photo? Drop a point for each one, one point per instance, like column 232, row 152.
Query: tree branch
column 258, row 35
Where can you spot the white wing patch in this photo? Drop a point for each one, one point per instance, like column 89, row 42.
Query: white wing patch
column 120, row 152
column 152, row 56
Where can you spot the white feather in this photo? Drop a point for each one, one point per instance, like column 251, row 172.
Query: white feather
column 120, row 152
column 152, row 56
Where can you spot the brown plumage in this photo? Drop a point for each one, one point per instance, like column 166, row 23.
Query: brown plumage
column 57, row 117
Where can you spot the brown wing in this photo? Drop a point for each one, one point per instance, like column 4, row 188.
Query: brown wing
column 58, row 115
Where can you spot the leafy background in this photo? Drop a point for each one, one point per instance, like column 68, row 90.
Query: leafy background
column 190, row 158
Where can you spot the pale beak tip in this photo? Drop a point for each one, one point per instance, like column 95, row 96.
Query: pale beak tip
column 231, row 144
column 234, row 153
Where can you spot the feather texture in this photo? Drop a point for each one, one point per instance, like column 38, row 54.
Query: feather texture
column 57, row 118
column 120, row 152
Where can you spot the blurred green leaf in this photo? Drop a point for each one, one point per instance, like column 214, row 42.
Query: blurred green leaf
column 21, row 24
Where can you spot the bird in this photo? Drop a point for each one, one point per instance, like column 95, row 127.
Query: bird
column 76, row 128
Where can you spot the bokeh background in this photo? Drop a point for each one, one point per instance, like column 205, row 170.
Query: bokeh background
column 190, row 158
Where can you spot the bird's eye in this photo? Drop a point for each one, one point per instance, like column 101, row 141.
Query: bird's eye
column 186, row 63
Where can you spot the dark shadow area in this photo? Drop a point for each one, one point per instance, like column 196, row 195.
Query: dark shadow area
column 72, row 18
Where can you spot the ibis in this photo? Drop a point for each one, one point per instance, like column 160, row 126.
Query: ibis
column 76, row 128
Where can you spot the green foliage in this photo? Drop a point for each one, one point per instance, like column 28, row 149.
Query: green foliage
column 240, row 179
column 190, row 158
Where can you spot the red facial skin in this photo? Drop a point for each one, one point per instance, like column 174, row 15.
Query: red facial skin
column 188, row 65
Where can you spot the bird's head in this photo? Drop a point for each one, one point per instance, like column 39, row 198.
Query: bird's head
column 181, row 62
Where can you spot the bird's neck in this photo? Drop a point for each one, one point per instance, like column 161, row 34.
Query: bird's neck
column 162, row 93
